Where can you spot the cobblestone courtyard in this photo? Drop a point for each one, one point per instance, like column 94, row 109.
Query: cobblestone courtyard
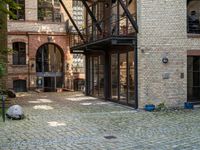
column 73, row 121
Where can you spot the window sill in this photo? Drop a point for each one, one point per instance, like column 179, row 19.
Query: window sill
column 193, row 35
column 19, row 65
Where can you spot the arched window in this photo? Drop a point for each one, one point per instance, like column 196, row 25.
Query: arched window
column 49, row 59
column 20, row 13
column 193, row 16
column 49, row 10
column 19, row 54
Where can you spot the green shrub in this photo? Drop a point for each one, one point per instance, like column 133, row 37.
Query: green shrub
column 161, row 106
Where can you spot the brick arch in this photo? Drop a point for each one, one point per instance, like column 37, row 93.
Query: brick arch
column 19, row 40
column 60, row 50
column 59, row 47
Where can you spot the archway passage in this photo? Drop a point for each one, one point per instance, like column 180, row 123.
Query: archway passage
column 49, row 67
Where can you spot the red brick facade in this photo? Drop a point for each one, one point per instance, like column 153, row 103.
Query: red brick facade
column 33, row 42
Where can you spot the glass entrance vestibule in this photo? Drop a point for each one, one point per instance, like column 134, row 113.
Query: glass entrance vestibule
column 112, row 76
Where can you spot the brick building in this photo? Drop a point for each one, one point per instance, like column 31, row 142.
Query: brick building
column 40, row 40
column 141, row 52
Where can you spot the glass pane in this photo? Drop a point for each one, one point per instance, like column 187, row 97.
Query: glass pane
column 123, row 76
column 193, row 15
column 49, row 84
column 59, row 82
column 131, row 78
column 114, row 76
column 51, row 58
column 196, row 93
column 196, row 79
column 101, row 76
column 45, row 58
column 19, row 85
column 96, row 72
column 58, row 61
column 39, row 82
column 196, row 63
column 91, row 76
column 193, row 78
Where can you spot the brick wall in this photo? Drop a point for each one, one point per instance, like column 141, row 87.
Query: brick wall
column 35, row 33
column 33, row 42
column 34, row 26
column 163, row 33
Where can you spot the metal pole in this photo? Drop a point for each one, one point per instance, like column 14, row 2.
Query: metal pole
column 3, row 108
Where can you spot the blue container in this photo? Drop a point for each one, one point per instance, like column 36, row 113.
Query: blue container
column 188, row 105
column 149, row 107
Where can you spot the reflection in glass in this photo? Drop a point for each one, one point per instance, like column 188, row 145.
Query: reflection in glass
column 96, row 74
column 91, row 76
column 114, row 76
column 193, row 78
column 49, row 59
column 131, row 77
column 101, row 76
column 123, row 77
column 96, row 78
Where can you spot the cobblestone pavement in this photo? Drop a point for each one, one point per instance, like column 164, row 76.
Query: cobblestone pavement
column 75, row 122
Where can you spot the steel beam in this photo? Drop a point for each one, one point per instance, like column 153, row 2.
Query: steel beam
column 72, row 21
column 92, row 15
column 128, row 14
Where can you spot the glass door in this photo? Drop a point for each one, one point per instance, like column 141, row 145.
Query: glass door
column 193, row 79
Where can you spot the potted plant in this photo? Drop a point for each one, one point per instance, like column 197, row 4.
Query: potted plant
column 188, row 105
column 150, row 106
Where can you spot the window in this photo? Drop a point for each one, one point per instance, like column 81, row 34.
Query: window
column 19, row 86
column 193, row 16
column 19, row 55
column 20, row 13
column 49, row 10
column 49, row 59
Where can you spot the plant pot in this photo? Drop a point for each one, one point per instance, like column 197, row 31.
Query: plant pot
column 149, row 107
column 188, row 105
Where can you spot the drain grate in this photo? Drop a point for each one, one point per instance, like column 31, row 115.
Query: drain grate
column 110, row 137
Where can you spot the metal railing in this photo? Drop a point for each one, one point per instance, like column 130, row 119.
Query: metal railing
column 111, row 26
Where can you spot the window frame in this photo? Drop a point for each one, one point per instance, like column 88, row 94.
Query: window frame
column 19, row 52
column 49, row 6
column 17, row 12
column 192, row 29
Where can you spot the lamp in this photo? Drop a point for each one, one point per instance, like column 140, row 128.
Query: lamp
column 50, row 38
column 165, row 60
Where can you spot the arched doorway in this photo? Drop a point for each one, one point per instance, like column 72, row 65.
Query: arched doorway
column 49, row 67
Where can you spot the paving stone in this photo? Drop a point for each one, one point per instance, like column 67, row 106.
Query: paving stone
column 71, row 125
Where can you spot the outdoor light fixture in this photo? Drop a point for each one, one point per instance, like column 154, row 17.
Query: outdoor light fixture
column 165, row 60
column 50, row 38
